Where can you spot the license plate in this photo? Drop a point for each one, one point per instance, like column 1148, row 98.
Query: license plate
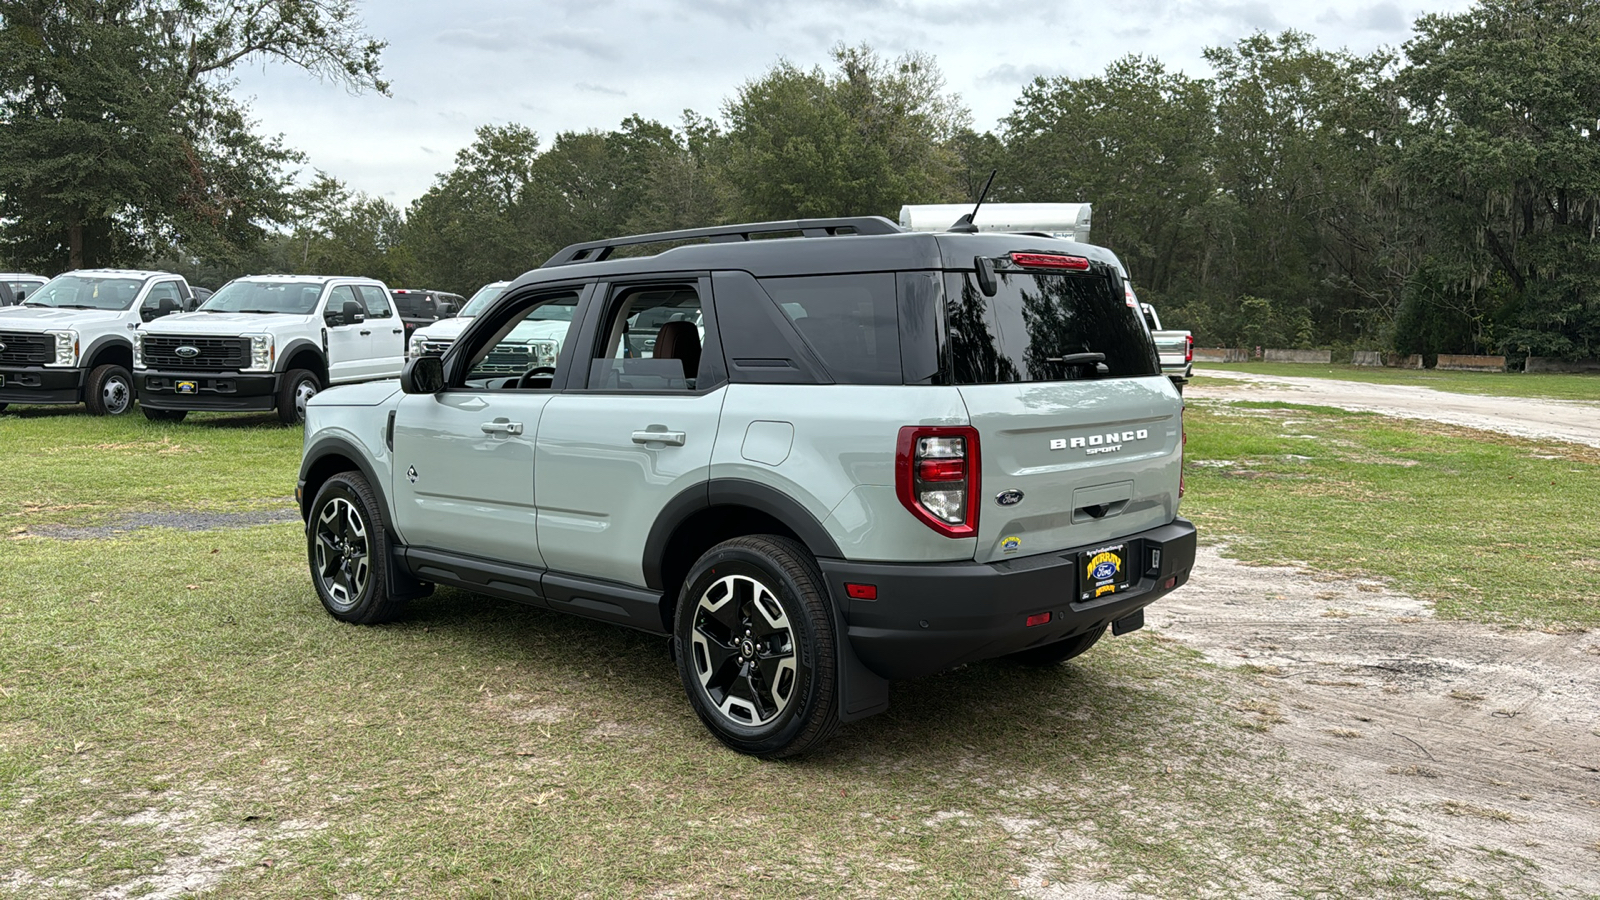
column 188, row 387
column 1105, row 572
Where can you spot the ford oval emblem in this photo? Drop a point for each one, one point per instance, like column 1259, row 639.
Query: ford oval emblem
column 187, row 352
column 1008, row 498
column 1104, row 570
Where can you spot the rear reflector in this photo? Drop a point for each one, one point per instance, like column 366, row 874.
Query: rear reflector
column 942, row 469
column 861, row 591
column 1038, row 619
column 1050, row 261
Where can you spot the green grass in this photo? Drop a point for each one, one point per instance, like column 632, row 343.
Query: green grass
column 64, row 467
column 1492, row 528
column 179, row 699
column 1502, row 384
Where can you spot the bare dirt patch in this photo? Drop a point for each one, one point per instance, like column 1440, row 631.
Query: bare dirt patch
column 1485, row 740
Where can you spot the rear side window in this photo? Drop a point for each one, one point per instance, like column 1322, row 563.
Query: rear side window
column 374, row 299
column 1037, row 324
column 849, row 320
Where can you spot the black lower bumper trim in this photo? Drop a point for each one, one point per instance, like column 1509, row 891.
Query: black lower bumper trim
column 29, row 384
column 932, row 616
column 216, row 391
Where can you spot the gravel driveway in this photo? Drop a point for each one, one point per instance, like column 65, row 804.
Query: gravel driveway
column 1564, row 420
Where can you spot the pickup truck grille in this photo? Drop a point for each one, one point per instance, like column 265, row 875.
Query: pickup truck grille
column 435, row 348
column 514, row 358
column 22, row 348
column 216, row 354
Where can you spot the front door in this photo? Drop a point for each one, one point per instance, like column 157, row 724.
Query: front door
column 386, row 350
column 349, row 342
column 637, row 432
column 464, row 458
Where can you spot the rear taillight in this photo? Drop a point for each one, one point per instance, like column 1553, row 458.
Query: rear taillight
column 936, row 477
column 1188, row 350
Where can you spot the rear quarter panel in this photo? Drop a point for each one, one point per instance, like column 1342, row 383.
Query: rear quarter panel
column 839, row 461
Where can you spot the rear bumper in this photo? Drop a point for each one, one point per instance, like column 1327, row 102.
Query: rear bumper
column 929, row 617
column 36, row 384
column 224, row 391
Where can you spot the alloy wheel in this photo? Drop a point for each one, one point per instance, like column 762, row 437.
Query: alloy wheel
column 744, row 651
column 343, row 559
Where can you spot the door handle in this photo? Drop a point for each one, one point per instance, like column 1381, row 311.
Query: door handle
column 673, row 438
column 399, row 331
column 501, row 426
column 366, row 332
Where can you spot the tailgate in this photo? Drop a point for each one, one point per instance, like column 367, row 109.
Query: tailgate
column 1092, row 460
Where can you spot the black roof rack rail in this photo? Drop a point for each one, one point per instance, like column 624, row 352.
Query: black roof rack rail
column 595, row 251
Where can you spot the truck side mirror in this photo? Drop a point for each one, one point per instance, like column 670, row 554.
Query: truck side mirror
column 422, row 375
column 353, row 313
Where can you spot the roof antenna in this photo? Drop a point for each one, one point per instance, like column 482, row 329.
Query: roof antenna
column 964, row 224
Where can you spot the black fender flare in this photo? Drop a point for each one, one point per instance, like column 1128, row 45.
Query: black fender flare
column 293, row 347
column 101, row 343
column 338, row 445
column 732, row 492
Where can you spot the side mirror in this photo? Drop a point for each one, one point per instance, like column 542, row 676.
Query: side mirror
column 21, row 296
column 987, row 283
column 422, row 375
column 353, row 313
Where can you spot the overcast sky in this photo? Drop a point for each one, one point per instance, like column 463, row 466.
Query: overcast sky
column 560, row 65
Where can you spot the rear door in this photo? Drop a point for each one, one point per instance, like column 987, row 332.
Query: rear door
column 1079, row 435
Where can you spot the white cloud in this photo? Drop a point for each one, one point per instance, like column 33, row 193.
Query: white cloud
column 556, row 65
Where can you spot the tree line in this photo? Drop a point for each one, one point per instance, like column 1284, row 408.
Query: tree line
column 1438, row 198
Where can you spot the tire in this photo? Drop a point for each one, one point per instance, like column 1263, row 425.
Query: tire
column 3, row 406
column 109, row 391
column 754, row 641
column 347, row 547
column 1058, row 652
column 164, row 415
column 292, row 399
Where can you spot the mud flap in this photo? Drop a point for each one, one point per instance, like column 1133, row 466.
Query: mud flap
column 862, row 692
column 1130, row 622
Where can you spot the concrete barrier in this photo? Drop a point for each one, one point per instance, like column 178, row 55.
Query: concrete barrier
column 1569, row 366
column 1463, row 363
column 1366, row 358
column 1220, row 355
column 1300, row 356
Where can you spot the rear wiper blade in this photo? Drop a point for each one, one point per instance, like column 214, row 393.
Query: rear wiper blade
column 1077, row 359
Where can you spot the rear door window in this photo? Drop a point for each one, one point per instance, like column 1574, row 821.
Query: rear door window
column 850, row 321
column 1038, row 327
column 375, row 300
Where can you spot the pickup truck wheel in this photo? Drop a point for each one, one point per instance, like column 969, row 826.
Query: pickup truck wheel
column 754, row 643
column 109, row 391
column 164, row 415
column 1058, row 652
column 297, row 389
column 347, row 545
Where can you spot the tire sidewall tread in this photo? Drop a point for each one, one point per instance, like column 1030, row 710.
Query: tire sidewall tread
column 814, row 716
column 287, row 413
column 94, row 389
column 377, row 603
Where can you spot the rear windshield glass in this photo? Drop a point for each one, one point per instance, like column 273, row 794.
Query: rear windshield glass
column 849, row 320
column 1037, row 328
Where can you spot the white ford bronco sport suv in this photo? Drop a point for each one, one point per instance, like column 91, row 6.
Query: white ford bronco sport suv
column 841, row 455
column 266, row 342
column 71, row 341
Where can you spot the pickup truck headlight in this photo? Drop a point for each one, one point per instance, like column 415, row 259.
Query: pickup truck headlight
column 416, row 346
column 262, row 353
column 66, row 348
column 138, row 350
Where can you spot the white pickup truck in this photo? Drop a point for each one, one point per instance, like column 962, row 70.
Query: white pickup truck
column 71, row 341
column 269, row 342
column 1176, row 348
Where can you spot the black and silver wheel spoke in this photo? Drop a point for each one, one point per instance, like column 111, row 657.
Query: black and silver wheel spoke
column 342, row 552
column 744, row 650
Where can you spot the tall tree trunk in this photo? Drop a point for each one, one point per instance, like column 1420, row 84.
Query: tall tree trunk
column 75, row 246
